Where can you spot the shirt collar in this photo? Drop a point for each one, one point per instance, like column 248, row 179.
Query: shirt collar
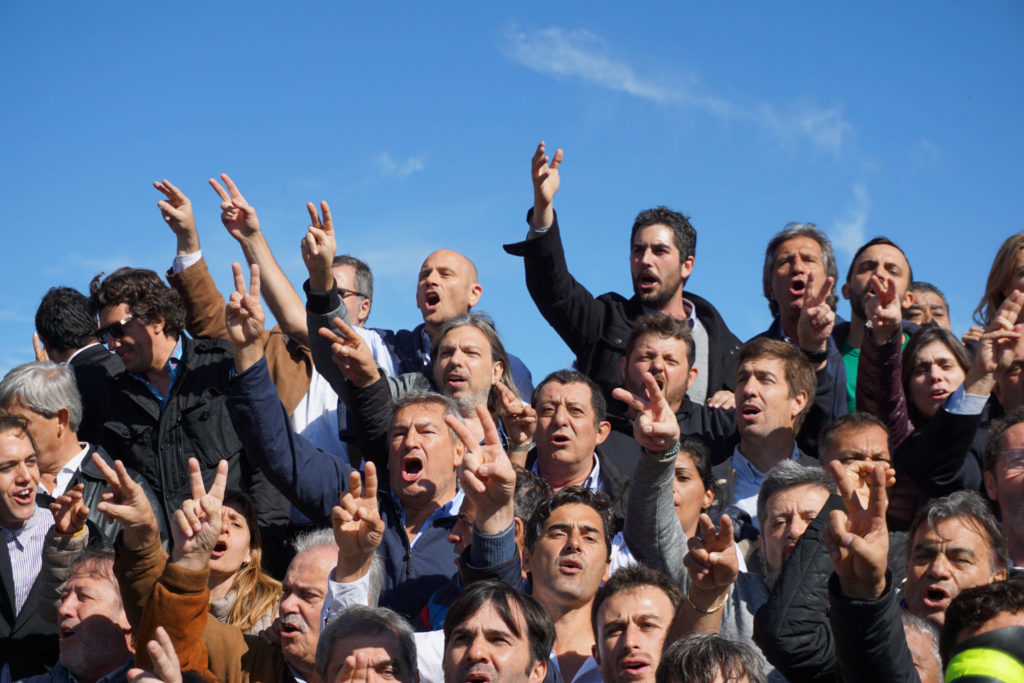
column 172, row 367
column 687, row 306
column 594, row 481
column 740, row 462
column 37, row 518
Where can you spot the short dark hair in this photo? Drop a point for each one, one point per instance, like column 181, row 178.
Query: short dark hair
column 683, row 234
column 143, row 292
column 963, row 505
column 874, row 242
column 597, row 401
column 530, row 491
column 789, row 474
column 995, row 432
column 373, row 621
column 571, row 495
column 917, row 286
column 631, row 577
column 701, row 457
column 701, row 657
column 10, row 422
column 63, row 319
column 540, row 631
column 791, row 231
column 666, row 327
column 798, row 370
column 853, row 422
column 364, row 276
column 975, row 606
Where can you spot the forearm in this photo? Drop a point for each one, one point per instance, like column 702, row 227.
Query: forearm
column 204, row 304
column 282, row 299
column 880, row 387
column 652, row 529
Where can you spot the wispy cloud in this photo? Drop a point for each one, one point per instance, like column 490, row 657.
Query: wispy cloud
column 398, row 169
column 581, row 54
column 848, row 233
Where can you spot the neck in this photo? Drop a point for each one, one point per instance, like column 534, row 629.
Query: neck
column 157, row 374
column 574, row 635
column 767, row 452
column 790, row 325
column 220, row 585
column 60, row 356
column 562, row 474
column 52, row 461
column 306, row 669
column 857, row 331
column 472, row 420
column 431, row 329
column 416, row 514
column 675, row 306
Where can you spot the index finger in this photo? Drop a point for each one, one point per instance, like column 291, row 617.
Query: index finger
column 507, row 396
column 254, row 280
column 195, row 479
column 878, row 499
column 370, row 481
column 846, row 487
column 1008, row 311
column 221, row 192
column 557, row 160
column 826, row 288
column 236, row 271
column 346, row 330
column 461, row 431
column 328, row 226
column 108, row 473
column 314, row 217
column 653, row 390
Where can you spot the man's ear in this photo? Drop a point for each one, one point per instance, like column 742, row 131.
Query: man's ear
column 63, row 420
column 800, row 401
column 603, row 430
column 539, row 671
column 845, row 292
column 519, row 530
column 460, row 451
column 692, row 377
column 686, row 268
column 991, row 486
column 908, row 300
column 596, row 654
column 364, row 310
column 474, row 294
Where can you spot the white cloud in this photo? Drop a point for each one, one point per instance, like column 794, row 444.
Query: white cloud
column 581, row 54
column 399, row 169
column 848, row 233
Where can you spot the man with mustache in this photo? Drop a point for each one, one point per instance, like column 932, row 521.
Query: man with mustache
column 662, row 252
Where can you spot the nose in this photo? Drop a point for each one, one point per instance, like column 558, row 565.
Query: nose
column 797, row 528
column 657, row 365
column 477, row 649
column 939, row 567
column 67, row 607
column 22, row 472
column 561, row 415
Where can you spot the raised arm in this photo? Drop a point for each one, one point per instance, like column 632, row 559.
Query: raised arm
column 545, row 184
column 242, row 223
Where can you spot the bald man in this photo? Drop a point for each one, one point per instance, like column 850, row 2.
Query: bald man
column 447, row 286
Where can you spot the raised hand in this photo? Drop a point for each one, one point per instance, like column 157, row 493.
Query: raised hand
column 351, row 354
column 488, row 478
column 69, row 512
column 655, row 426
column 235, row 213
column 38, row 348
column 862, row 473
column 244, row 318
column 883, row 309
column 999, row 346
column 358, row 528
column 166, row 668
column 177, row 212
column 723, row 399
column 518, row 417
column 125, row 501
column 858, row 539
column 545, row 184
column 197, row 523
column 712, row 561
column 816, row 317
column 318, row 248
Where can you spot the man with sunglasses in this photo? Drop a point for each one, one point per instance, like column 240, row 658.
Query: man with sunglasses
column 169, row 403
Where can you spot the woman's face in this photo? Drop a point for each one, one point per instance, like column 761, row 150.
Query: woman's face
column 232, row 549
column 934, row 376
column 1016, row 280
column 689, row 494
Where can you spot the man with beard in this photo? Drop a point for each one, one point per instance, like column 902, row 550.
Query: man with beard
column 881, row 258
column 662, row 251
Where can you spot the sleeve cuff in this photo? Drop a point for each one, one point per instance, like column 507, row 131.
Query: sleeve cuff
column 491, row 550
column 321, row 303
column 962, row 403
column 342, row 595
column 183, row 261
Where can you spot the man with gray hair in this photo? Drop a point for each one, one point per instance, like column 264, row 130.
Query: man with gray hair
column 367, row 643
column 44, row 394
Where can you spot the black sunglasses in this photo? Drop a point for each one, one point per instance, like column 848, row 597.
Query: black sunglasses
column 113, row 330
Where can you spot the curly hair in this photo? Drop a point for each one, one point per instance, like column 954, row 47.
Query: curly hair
column 143, row 292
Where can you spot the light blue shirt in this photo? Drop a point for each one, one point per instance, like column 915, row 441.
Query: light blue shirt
column 748, row 483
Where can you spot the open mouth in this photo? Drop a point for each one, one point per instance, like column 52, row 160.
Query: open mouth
column 797, row 287
column 750, row 412
column 412, row 467
column 456, row 380
column 431, row 299
column 570, row 566
column 25, row 496
column 935, row 598
column 66, row 632
column 219, row 549
column 289, row 629
column 635, row 667
column 647, row 282
column 477, row 677
column 939, row 394
column 560, row 441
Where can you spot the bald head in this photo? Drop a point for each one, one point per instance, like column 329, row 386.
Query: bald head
column 447, row 286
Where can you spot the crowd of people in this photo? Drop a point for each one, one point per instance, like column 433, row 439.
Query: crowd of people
column 188, row 495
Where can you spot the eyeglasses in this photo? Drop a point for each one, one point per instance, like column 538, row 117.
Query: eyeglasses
column 350, row 292
column 113, row 330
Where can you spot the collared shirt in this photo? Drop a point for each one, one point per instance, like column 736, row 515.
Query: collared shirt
column 748, row 482
column 962, row 403
column 172, row 367
column 66, row 472
column 449, row 509
column 25, row 548
column 594, row 481
column 87, row 346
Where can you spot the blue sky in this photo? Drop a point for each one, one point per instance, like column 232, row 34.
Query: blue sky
column 417, row 122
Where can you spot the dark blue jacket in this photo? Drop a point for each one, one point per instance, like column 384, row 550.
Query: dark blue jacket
column 313, row 480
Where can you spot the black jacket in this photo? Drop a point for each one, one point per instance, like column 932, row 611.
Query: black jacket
column 616, row 485
column 596, row 329
column 95, row 368
column 28, row 642
column 194, row 424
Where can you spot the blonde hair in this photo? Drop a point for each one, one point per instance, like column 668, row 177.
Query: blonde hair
column 998, row 279
column 256, row 593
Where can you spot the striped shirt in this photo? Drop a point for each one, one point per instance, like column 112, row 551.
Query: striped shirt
column 25, row 548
